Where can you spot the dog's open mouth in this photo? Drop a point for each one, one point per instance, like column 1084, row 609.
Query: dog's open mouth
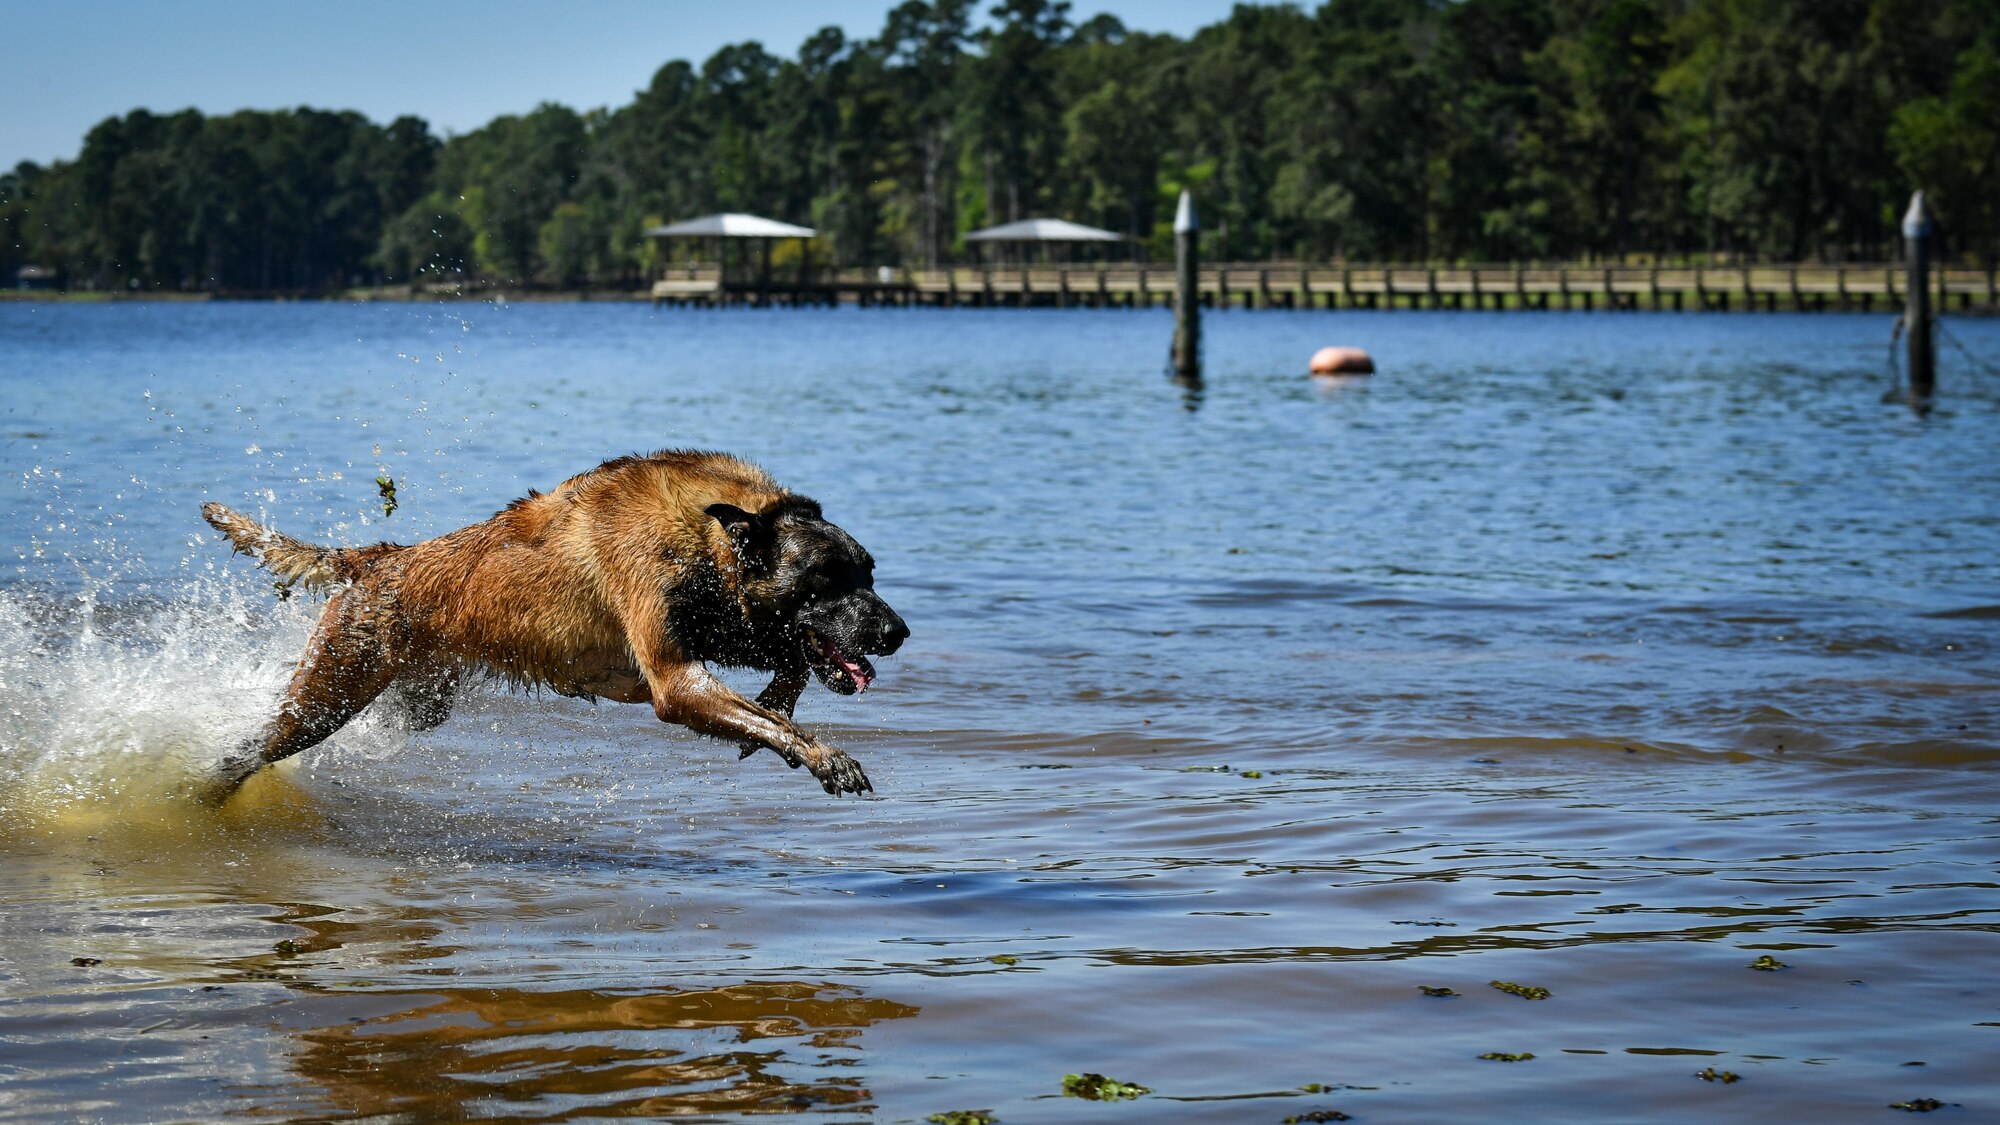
column 839, row 671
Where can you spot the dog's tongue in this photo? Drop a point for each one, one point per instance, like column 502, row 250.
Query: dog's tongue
column 860, row 673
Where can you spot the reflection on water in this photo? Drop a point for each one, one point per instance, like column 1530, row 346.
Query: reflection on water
column 551, row 1056
column 105, row 963
column 1602, row 655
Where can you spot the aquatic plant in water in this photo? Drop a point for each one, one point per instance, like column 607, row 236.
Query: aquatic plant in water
column 1098, row 1088
column 1918, row 1105
column 1318, row 1115
column 1524, row 991
column 1503, row 1056
column 1710, row 1074
column 963, row 1117
column 1768, row 964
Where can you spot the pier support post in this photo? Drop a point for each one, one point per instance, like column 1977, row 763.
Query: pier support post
column 1187, row 303
column 1917, row 309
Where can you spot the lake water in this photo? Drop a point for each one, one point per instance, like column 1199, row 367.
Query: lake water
column 1599, row 653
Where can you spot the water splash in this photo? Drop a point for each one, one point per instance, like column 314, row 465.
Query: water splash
column 114, row 710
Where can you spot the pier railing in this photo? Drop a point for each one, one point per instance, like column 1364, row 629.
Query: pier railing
column 1298, row 285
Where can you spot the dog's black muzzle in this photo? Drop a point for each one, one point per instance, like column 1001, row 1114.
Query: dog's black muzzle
column 841, row 634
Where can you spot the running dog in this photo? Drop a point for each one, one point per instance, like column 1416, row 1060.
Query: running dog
column 619, row 585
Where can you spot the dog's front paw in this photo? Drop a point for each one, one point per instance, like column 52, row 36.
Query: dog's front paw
column 837, row 773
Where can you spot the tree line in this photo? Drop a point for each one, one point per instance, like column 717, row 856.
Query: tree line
column 1410, row 130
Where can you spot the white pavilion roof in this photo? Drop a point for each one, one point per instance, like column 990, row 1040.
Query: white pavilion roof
column 1043, row 230
column 730, row 224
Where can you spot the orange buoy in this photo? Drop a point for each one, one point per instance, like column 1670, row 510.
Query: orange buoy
column 1342, row 361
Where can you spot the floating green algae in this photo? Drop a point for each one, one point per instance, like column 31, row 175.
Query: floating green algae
column 1768, row 964
column 963, row 1117
column 1503, row 1056
column 1524, row 991
column 1437, row 990
column 1710, row 1074
column 1098, row 1088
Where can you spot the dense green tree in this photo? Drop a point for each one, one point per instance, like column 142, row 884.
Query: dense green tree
column 428, row 241
column 1371, row 129
column 1237, row 86
column 1011, row 109
column 514, row 173
column 1951, row 145
column 923, row 52
column 1779, row 107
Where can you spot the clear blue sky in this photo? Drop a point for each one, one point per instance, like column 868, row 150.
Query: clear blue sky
column 67, row 64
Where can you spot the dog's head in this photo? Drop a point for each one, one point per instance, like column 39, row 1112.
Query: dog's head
column 810, row 589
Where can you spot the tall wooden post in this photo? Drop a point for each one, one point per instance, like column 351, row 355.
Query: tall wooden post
column 1187, row 297
column 1917, row 309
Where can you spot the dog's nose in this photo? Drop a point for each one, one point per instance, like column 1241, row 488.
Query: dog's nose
column 894, row 632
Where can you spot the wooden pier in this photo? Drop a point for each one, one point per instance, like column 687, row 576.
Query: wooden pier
column 1863, row 287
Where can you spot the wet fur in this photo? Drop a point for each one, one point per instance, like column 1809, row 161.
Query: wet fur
column 619, row 584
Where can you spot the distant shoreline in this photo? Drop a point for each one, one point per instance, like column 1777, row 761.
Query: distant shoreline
column 1653, row 286
column 398, row 295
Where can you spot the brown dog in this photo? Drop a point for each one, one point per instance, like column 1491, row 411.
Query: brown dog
column 618, row 584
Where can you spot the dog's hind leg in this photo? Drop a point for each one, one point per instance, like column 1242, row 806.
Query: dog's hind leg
column 350, row 659
column 425, row 697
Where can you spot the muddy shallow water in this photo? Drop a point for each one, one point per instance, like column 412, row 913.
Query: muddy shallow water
column 1599, row 653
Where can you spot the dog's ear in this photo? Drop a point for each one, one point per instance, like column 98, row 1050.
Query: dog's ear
column 748, row 532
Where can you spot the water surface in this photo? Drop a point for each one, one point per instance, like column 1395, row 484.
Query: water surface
column 1601, row 653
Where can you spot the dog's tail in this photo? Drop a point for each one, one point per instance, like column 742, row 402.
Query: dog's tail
column 305, row 564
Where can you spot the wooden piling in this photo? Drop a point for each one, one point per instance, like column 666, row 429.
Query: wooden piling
column 1917, row 311
column 1187, row 305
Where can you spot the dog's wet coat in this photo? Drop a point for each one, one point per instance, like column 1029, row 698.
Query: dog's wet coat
column 620, row 584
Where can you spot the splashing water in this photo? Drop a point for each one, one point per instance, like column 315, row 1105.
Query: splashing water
column 122, row 710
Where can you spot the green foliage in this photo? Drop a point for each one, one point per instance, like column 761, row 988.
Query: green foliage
column 1524, row 991
column 1504, row 1056
column 1767, row 963
column 1370, row 129
column 1098, row 1088
column 512, row 175
column 1436, row 990
column 1950, row 145
column 1710, row 1074
column 963, row 1117
column 429, row 240
column 566, row 243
